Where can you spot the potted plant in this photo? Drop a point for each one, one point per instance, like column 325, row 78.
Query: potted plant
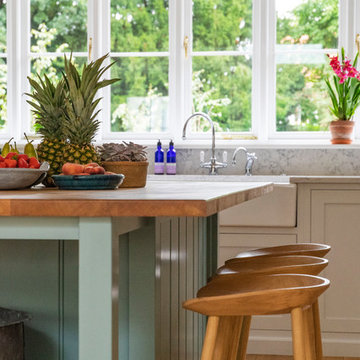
column 128, row 159
column 344, row 92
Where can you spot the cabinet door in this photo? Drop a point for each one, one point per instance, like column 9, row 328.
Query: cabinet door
column 335, row 220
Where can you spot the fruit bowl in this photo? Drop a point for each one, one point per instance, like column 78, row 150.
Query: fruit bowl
column 88, row 182
column 21, row 178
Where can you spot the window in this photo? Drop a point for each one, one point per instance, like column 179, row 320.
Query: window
column 56, row 27
column 255, row 66
column 306, row 31
column 222, row 63
column 140, row 45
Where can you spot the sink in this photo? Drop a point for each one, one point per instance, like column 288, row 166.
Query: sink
column 276, row 209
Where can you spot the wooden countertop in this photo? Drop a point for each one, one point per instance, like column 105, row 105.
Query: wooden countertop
column 156, row 199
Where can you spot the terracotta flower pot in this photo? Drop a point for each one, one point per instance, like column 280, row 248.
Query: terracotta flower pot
column 135, row 172
column 341, row 131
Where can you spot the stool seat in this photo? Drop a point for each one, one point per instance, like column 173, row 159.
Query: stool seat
column 257, row 295
column 310, row 249
column 230, row 300
column 288, row 264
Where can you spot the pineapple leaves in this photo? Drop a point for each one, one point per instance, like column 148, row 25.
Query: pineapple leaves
column 47, row 102
column 68, row 110
column 81, row 108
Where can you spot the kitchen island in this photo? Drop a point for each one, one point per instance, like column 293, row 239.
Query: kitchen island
column 104, row 273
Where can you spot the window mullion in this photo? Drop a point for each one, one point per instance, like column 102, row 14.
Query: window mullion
column 99, row 31
column 25, row 64
column 17, row 50
column 263, row 84
column 348, row 28
column 175, row 68
column 257, row 71
column 270, row 59
column 187, row 68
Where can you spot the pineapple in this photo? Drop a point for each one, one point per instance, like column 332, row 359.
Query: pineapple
column 48, row 105
column 80, row 123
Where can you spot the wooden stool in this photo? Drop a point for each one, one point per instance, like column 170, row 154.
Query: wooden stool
column 288, row 264
column 310, row 249
column 310, row 265
column 232, row 299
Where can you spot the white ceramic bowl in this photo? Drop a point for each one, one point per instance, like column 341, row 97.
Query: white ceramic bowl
column 18, row 178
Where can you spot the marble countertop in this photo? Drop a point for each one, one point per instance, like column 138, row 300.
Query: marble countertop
column 324, row 179
column 283, row 179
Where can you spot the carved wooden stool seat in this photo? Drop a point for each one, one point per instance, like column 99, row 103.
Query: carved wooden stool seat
column 228, row 299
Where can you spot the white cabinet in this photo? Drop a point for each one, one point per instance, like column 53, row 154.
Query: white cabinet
column 326, row 213
column 335, row 220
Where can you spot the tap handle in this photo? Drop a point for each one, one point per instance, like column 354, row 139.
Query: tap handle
column 202, row 156
column 224, row 156
column 253, row 156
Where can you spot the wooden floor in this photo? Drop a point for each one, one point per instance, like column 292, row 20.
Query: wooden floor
column 279, row 357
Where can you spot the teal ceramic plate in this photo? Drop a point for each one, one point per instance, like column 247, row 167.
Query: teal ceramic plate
column 90, row 182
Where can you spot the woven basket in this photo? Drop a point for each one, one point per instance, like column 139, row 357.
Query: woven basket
column 135, row 172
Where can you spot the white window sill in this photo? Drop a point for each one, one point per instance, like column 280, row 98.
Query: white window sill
column 271, row 144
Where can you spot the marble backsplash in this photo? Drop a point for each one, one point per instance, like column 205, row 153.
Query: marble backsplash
column 272, row 161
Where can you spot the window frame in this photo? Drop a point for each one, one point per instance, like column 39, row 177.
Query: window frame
column 180, row 71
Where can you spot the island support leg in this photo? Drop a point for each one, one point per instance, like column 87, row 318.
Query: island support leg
column 95, row 286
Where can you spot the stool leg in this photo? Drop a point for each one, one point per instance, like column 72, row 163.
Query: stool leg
column 244, row 338
column 236, row 338
column 227, row 340
column 210, row 338
column 309, row 334
column 298, row 333
column 318, row 342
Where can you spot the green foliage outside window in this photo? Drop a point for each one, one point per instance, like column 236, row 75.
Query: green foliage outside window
column 301, row 101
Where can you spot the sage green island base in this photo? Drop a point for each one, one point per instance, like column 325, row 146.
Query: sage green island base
column 163, row 261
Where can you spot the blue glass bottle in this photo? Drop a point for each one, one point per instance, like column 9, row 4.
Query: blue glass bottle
column 171, row 159
column 159, row 160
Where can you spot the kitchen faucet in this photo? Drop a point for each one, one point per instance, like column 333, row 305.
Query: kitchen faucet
column 212, row 165
column 250, row 158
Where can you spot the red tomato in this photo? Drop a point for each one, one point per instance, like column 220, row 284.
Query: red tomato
column 1, row 159
column 22, row 163
column 23, row 156
column 10, row 163
column 2, row 165
column 33, row 162
column 11, row 155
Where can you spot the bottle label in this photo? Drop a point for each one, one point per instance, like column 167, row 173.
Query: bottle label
column 159, row 168
column 171, row 168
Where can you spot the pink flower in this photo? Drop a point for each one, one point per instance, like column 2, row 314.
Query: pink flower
column 344, row 70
